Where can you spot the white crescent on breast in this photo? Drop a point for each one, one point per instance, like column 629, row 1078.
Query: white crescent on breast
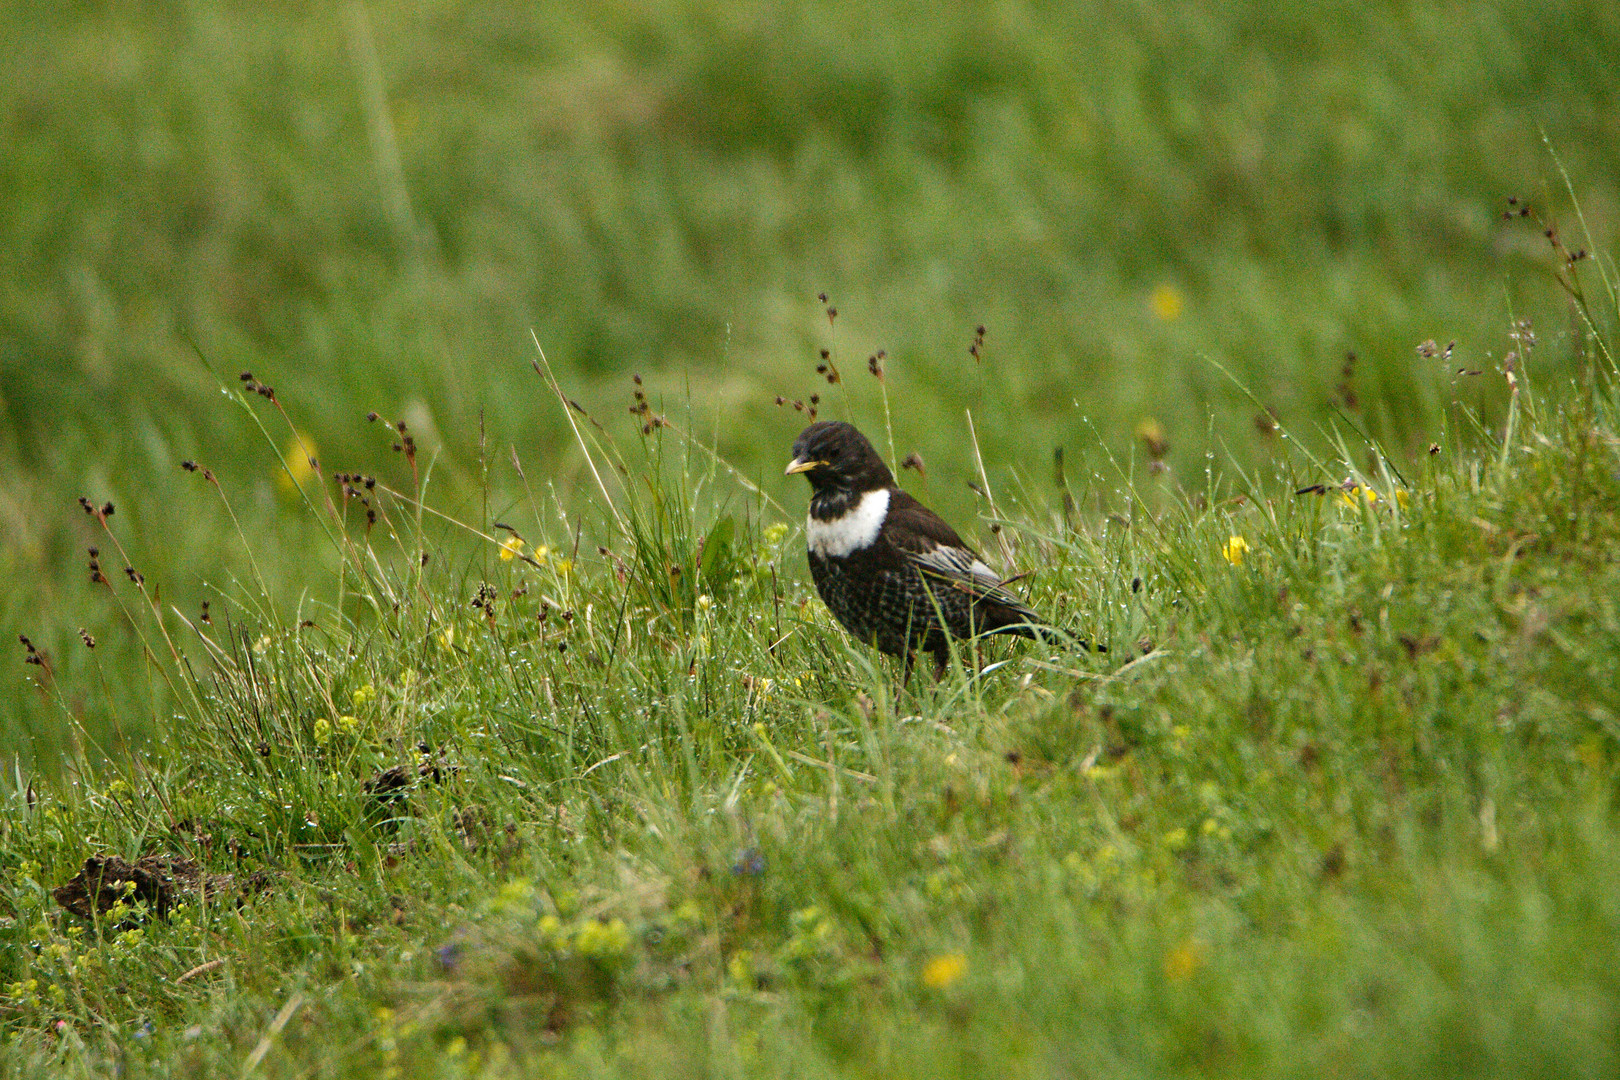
column 856, row 529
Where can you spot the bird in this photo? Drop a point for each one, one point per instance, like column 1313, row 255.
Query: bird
column 890, row 570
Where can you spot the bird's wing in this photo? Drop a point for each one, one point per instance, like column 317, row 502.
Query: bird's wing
column 933, row 546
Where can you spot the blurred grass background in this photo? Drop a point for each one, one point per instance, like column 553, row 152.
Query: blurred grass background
column 371, row 207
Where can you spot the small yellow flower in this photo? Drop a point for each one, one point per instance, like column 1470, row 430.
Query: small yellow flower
column 298, row 457
column 447, row 638
column 1166, row 302
column 944, row 970
column 1181, row 961
column 347, row 724
column 1151, row 432
column 541, row 553
column 1234, row 549
column 705, row 602
column 514, row 895
column 1402, row 499
column 323, row 732
column 775, row 533
column 511, row 548
column 741, row 967
column 1348, row 496
column 565, row 566
column 363, row 696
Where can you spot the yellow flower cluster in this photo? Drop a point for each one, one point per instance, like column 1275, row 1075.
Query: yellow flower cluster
column 599, row 940
column 594, row 939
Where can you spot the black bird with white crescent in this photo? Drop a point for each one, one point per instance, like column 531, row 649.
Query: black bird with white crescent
column 891, row 571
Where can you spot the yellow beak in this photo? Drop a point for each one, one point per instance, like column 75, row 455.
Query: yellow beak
column 799, row 465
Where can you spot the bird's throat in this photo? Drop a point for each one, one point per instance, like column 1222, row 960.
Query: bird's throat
column 839, row 525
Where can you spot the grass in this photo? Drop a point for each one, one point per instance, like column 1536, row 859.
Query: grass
column 1339, row 799
column 373, row 213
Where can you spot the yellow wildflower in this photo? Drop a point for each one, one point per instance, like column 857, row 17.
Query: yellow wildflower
column 1234, row 549
column 774, row 533
column 603, row 940
column 363, row 696
column 944, row 970
column 741, row 967
column 1166, row 302
column 1181, row 961
column 511, row 548
column 565, row 566
column 299, row 458
column 1151, row 432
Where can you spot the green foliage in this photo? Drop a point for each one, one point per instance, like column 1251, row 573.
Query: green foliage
column 512, row 739
column 374, row 211
column 1343, row 789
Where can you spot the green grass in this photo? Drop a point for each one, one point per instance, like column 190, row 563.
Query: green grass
column 666, row 187
column 1340, row 799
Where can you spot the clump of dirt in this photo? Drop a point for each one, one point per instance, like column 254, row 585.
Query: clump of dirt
column 159, row 881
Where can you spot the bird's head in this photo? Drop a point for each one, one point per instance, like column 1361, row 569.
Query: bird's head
column 834, row 456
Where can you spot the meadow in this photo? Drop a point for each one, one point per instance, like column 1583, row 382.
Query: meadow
column 393, row 401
